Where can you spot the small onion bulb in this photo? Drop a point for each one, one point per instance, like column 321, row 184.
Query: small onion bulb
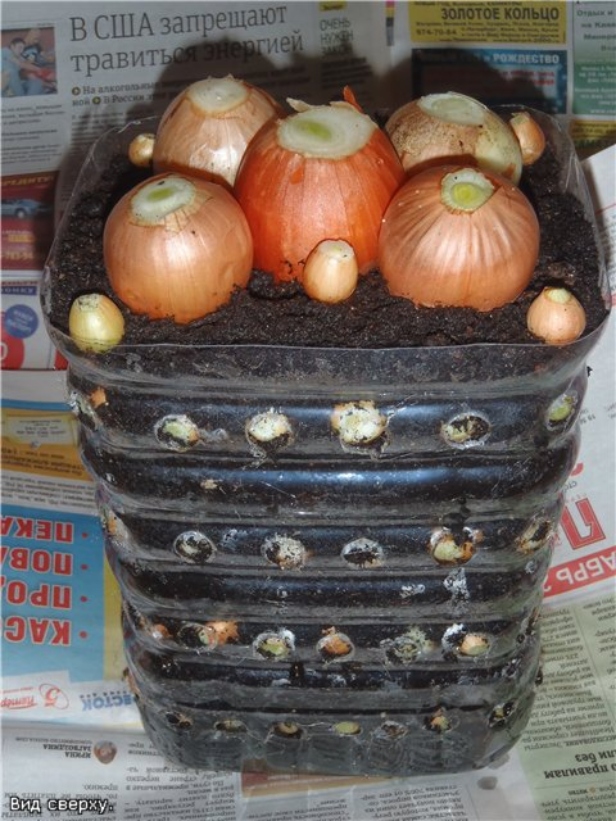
column 95, row 323
column 530, row 136
column 141, row 150
column 458, row 237
column 453, row 128
column 177, row 247
column 330, row 272
column 206, row 128
column 556, row 316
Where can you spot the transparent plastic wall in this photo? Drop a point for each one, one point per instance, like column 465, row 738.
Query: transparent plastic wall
column 330, row 560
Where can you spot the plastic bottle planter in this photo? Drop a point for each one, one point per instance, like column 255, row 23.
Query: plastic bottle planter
column 330, row 560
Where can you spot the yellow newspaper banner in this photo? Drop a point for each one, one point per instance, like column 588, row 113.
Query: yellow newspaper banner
column 489, row 22
column 42, row 443
column 592, row 135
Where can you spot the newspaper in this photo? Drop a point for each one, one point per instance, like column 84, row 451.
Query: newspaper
column 72, row 741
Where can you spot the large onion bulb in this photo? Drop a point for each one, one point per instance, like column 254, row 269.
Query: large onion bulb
column 177, row 247
column 325, row 172
column 453, row 128
column 456, row 236
column 204, row 131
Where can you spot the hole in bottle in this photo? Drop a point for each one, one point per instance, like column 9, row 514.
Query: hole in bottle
column 176, row 432
column 561, row 411
column 466, row 430
column 194, row 547
column 285, row 552
column 347, row 728
column 406, row 647
column 446, row 550
column 462, row 642
column 535, row 536
column 275, row 645
column 363, row 553
column 179, row 720
column 334, row 645
column 232, row 726
column 287, row 729
column 391, row 730
column 192, row 635
column 501, row 714
column 359, row 425
column 268, row 432
column 439, row 722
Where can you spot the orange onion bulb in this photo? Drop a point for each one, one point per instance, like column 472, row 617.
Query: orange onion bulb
column 453, row 128
column 530, row 135
column 141, row 149
column 556, row 316
column 324, row 172
column 459, row 237
column 205, row 129
column 330, row 273
column 177, row 247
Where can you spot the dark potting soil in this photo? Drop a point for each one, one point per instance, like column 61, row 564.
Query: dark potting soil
column 265, row 313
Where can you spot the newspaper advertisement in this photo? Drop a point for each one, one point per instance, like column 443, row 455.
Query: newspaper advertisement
column 72, row 741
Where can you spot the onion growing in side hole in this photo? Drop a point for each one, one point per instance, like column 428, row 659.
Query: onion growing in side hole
column 458, row 237
column 204, row 131
column 330, row 272
column 95, row 323
column 177, row 247
column 325, row 172
column 452, row 128
column 556, row 316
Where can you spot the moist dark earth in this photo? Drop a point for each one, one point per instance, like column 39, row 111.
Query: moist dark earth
column 265, row 313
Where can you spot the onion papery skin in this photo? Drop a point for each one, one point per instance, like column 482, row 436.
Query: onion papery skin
column 529, row 135
column 95, row 322
column 330, row 272
column 423, row 139
column 556, row 316
column 438, row 257
column 193, row 137
column 294, row 201
column 184, row 265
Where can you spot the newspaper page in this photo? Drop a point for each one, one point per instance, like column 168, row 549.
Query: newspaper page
column 554, row 56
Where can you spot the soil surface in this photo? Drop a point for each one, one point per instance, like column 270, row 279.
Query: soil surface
column 265, row 313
